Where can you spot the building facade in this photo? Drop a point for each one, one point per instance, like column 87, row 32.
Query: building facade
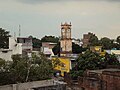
column 47, row 48
column 22, row 46
column 85, row 40
column 14, row 48
column 26, row 43
column 105, row 79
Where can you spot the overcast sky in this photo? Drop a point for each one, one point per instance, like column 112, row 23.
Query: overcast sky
column 43, row 17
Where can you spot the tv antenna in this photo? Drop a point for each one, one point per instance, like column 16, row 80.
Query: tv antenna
column 19, row 30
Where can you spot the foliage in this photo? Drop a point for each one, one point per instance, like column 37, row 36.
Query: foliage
column 50, row 39
column 77, row 49
column 92, row 61
column 94, row 40
column 111, row 59
column 41, row 68
column 118, row 39
column 56, row 49
column 2, row 63
column 4, row 38
column 74, row 74
column 118, row 42
column 23, row 69
column 36, row 42
column 106, row 43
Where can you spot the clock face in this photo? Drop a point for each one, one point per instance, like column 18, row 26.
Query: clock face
column 63, row 30
column 68, row 30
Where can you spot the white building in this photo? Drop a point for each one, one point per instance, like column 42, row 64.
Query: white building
column 77, row 41
column 47, row 48
column 14, row 48
column 26, row 43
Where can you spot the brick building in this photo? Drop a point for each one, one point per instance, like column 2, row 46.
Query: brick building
column 85, row 40
column 105, row 79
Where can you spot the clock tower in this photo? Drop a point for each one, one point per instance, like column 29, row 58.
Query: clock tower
column 66, row 41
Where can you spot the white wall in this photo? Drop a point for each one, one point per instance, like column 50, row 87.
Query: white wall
column 30, row 85
column 6, row 55
column 14, row 48
column 46, row 50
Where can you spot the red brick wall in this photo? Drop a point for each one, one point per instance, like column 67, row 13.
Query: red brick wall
column 112, row 80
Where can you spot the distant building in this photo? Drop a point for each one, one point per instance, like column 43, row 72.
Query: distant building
column 50, row 45
column 47, row 48
column 14, row 48
column 86, row 38
column 65, row 41
column 22, row 46
column 105, row 79
column 26, row 43
column 77, row 41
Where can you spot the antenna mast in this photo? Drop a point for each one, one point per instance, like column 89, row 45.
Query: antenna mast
column 19, row 30
column 14, row 34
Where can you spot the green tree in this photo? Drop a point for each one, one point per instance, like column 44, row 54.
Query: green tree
column 4, row 38
column 111, row 59
column 118, row 42
column 77, row 49
column 23, row 69
column 56, row 49
column 50, row 39
column 118, row 39
column 93, row 40
column 41, row 68
column 2, row 62
column 36, row 42
column 19, row 68
column 106, row 43
column 88, row 60
column 92, row 61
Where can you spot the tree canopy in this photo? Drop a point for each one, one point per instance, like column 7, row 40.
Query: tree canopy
column 36, row 42
column 94, row 40
column 4, row 38
column 56, row 49
column 50, row 39
column 92, row 61
column 106, row 43
column 118, row 39
column 76, row 49
column 23, row 69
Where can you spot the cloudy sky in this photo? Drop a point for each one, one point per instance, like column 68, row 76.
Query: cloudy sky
column 43, row 17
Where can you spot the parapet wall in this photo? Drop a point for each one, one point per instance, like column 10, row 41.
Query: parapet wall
column 29, row 85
